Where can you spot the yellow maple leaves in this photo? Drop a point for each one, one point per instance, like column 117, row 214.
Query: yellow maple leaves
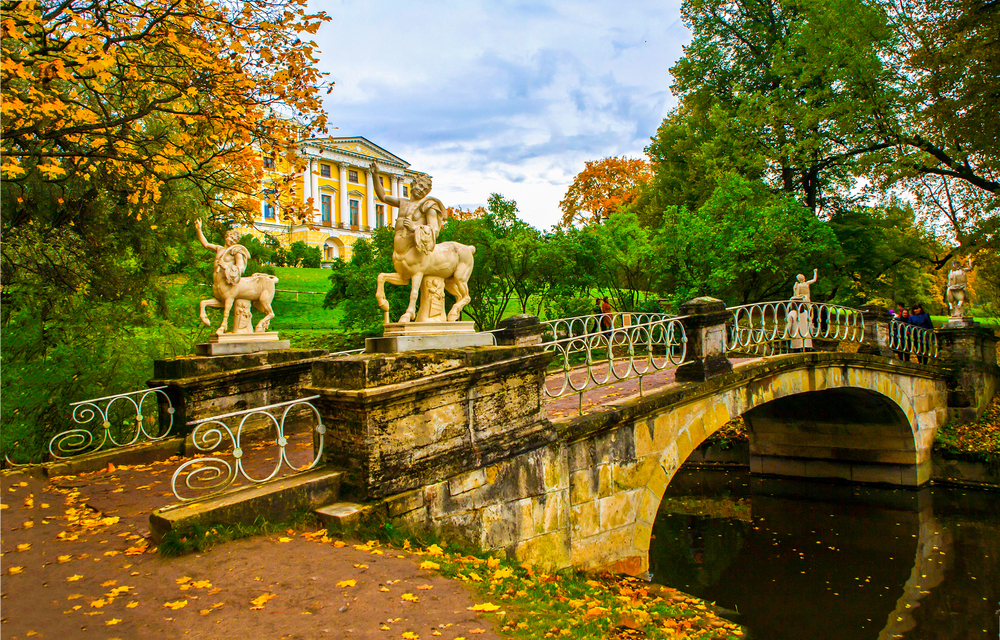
column 261, row 600
column 344, row 584
column 486, row 606
column 177, row 604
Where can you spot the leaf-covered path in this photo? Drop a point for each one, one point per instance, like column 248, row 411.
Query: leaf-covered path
column 76, row 564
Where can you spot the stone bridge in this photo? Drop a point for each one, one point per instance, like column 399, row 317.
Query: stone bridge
column 459, row 440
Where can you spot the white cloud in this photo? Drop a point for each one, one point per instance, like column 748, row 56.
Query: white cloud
column 511, row 97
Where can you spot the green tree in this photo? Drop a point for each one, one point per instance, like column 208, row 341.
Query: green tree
column 744, row 245
column 353, row 284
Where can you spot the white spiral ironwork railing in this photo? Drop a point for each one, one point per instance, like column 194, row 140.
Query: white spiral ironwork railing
column 621, row 347
column 214, row 475
column 909, row 339
column 96, row 414
column 769, row 328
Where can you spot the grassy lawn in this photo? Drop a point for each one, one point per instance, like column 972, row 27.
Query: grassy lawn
column 992, row 323
column 292, row 279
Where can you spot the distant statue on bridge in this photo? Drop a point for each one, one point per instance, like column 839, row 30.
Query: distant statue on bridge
column 229, row 286
column 801, row 286
column 427, row 266
column 958, row 295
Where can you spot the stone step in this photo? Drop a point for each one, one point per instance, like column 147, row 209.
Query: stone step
column 277, row 500
column 345, row 516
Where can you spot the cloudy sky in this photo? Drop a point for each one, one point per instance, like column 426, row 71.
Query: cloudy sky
column 497, row 96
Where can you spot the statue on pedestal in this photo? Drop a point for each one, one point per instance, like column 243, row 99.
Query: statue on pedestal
column 957, row 294
column 427, row 266
column 229, row 286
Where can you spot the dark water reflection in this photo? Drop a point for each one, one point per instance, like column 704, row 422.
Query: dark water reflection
column 810, row 560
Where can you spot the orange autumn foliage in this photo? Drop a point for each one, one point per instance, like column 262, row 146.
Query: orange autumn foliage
column 139, row 93
column 602, row 188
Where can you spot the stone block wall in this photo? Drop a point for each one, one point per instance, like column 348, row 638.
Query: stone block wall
column 204, row 386
column 402, row 421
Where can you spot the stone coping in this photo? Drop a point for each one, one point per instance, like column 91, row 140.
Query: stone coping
column 572, row 429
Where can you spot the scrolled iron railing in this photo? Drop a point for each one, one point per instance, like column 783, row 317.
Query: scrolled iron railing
column 602, row 349
column 98, row 428
column 210, row 476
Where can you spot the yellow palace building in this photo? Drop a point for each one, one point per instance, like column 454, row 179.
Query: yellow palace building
column 338, row 178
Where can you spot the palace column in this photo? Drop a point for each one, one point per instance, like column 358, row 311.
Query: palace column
column 370, row 204
column 395, row 192
column 344, row 213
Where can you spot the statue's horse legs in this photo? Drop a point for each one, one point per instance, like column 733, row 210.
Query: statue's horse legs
column 211, row 302
column 391, row 278
column 227, row 305
column 411, row 310
column 458, row 285
column 263, row 304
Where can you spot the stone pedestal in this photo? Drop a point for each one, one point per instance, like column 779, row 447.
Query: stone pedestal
column 203, row 386
column 705, row 327
column 971, row 356
column 403, row 421
column 519, row 331
column 239, row 343
column 877, row 331
column 963, row 322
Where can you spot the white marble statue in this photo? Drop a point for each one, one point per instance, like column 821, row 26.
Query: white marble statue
column 229, row 285
column 429, row 267
column 958, row 295
column 801, row 286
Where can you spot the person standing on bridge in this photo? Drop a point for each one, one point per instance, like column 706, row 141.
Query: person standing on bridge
column 898, row 332
column 606, row 314
column 922, row 319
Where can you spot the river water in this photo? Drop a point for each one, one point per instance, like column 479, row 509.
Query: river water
column 803, row 560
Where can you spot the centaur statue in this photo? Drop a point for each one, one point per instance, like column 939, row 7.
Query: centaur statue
column 416, row 255
column 229, row 285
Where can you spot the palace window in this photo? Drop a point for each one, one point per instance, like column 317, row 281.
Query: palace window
column 268, row 162
column 354, row 212
column 324, row 170
column 352, row 176
column 268, row 211
column 379, row 215
column 326, row 207
column 406, row 191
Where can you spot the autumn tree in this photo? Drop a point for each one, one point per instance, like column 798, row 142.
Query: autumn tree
column 603, row 187
column 122, row 121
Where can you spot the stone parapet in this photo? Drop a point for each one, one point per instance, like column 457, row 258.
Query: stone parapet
column 519, row 331
column 402, row 421
column 704, row 321
column 970, row 355
column 877, row 331
column 203, row 386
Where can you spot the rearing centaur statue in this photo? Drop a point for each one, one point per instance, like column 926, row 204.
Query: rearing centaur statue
column 229, row 285
column 416, row 253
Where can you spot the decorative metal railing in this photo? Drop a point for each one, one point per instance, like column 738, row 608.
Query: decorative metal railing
column 909, row 339
column 595, row 323
column 770, row 328
column 100, row 432
column 210, row 476
column 621, row 348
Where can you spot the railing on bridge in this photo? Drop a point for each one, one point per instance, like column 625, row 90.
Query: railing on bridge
column 772, row 328
column 210, row 476
column 909, row 339
column 603, row 349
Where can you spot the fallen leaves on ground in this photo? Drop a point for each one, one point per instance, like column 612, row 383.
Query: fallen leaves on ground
column 261, row 600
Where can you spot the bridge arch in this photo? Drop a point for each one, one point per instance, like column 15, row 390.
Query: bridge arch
column 618, row 476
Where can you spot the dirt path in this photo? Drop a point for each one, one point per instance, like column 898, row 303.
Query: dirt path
column 76, row 564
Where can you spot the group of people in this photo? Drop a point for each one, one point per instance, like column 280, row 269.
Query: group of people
column 915, row 316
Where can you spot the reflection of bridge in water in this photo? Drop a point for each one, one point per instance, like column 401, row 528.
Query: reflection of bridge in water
column 808, row 559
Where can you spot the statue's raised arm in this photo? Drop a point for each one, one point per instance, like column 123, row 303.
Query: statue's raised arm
column 392, row 201
column 202, row 239
column 815, row 277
